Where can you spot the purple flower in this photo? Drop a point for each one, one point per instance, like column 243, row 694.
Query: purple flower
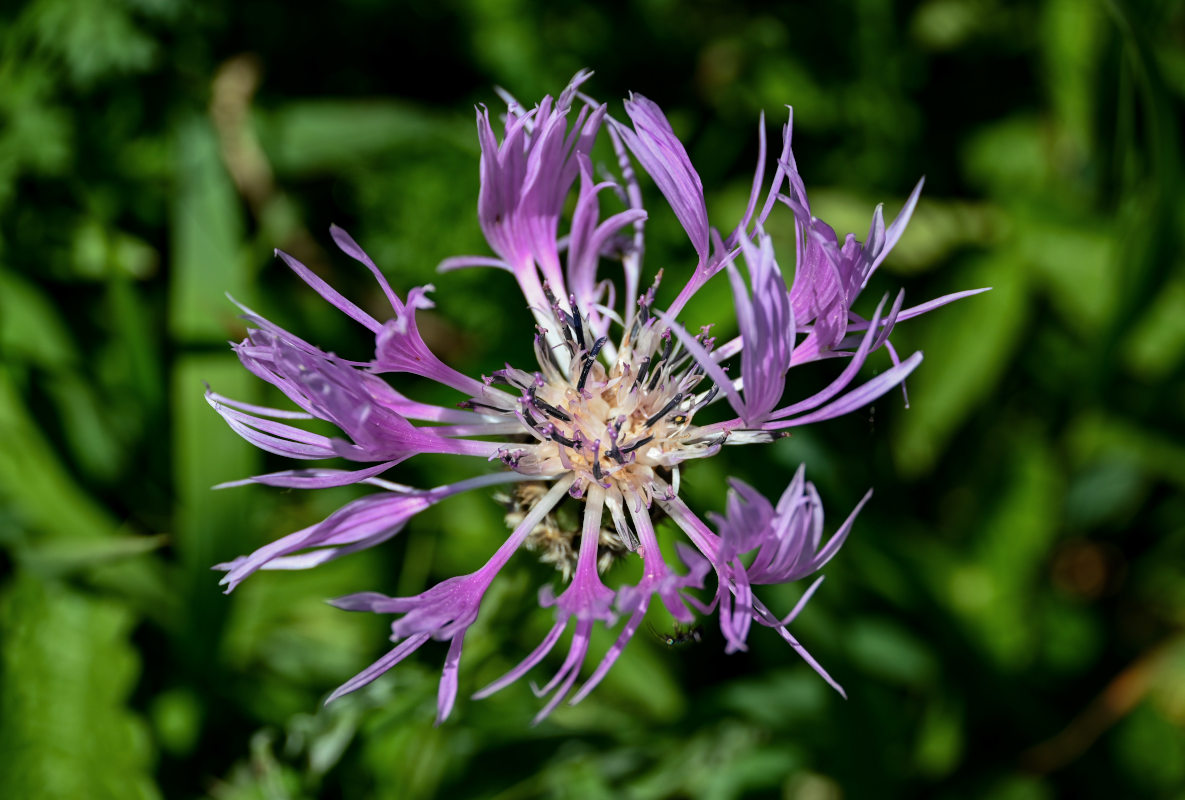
column 830, row 276
column 612, row 412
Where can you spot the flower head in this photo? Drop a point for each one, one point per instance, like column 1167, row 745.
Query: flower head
column 611, row 413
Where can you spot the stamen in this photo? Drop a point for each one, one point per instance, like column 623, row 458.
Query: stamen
column 666, row 353
column 590, row 358
column 544, row 352
column 614, row 431
column 547, row 408
column 528, row 417
column 642, row 370
column 596, row 464
column 549, row 294
column 577, row 322
column 562, row 317
column 708, row 397
column 556, row 436
column 472, row 404
column 641, row 442
column 642, row 318
column 678, row 398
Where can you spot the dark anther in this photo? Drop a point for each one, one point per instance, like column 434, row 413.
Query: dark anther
column 470, row 404
column 666, row 354
column 590, row 358
column 631, row 448
column 566, row 327
column 709, row 396
column 528, row 417
column 577, row 323
column 559, row 438
column 654, row 379
column 552, row 411
column 665, row 410
column 499, row 378
column 642, row 370
column 670, row 345
column 560, row 315
column 596, row 348
column 596, row 461
column 614, row 431
column 546, row 407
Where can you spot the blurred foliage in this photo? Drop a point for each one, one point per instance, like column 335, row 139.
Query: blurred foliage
column 1009, row 619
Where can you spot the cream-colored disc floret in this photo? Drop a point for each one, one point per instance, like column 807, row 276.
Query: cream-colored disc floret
column 624, row 423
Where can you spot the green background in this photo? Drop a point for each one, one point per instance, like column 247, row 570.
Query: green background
column 1009, row 615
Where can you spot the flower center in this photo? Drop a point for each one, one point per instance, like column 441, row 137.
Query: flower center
column 625, row 426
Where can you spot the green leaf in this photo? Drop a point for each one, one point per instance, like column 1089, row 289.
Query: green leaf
column 94, row 443
column 778, row 699
column 31, row 329
column 941, row 741
column 966, row 348
column 93, row 39
column 1150, row 750
column 64, row 557
column 68, row 671
column 718, row 762
column 208, row 254
column 210, row 524
column 52, row 509
column 1156, row 343
column 421, row 756
column 329, row 135
column 994, row 592
column 1078, row 265
column 262, row 776
column 888, row 651
column 1095, row 438
column 99, row 251
column 36, row 134
column 1011, row 159
column 1074, row 36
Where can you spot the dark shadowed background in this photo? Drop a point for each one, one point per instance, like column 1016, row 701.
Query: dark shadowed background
column 1009, row 615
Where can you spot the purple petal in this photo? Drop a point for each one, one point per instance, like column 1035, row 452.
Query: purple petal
column 351, row 248
column 378, row 668
column 526, row 664
column 335, row 298
column 447, row 694
column 662, row 155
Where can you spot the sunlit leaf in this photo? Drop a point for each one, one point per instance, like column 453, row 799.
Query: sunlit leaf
column 30, row 327
column 68, row 671
column 324, row 135
column 207, row 259
column 966, row 348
